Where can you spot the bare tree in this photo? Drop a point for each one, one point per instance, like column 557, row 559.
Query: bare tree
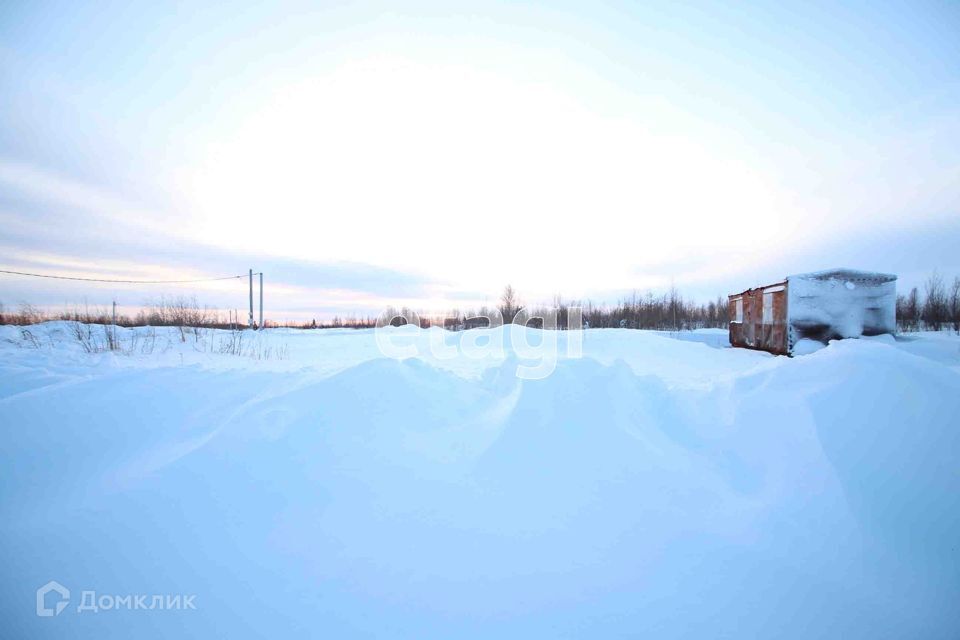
column 901, row 312
column 935, row 306
column 508, row 304
column 908, row 313
column 955, row 304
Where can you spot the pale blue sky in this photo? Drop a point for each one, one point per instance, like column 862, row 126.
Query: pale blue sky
column 361, row 153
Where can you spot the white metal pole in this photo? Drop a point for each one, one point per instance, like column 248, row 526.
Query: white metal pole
column 261, row 299
column 251, row 299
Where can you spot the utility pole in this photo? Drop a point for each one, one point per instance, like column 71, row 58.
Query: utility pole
column 261, row 300
column 251, row 300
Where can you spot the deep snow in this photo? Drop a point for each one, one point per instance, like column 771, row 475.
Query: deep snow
column 656, row 487
column 841, row 303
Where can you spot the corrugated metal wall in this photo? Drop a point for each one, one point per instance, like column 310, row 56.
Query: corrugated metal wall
column 758, row 319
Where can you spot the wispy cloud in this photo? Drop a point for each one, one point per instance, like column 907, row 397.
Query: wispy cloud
column 59, row 226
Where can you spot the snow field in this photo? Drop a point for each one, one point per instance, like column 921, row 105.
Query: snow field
column 654, row 487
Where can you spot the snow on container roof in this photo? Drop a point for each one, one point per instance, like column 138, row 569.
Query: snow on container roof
column 852, row 275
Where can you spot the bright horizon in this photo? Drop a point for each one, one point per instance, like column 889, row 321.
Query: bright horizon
column 362, row 156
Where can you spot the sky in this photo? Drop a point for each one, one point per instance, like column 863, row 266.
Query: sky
column 428, row 153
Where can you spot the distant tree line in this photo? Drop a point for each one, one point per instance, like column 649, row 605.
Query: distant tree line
column 340, row 322
column 668, row 311
column 179, row 311
column 937, row 308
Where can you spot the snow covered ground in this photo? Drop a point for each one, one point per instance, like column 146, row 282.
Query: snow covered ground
column 656, row 487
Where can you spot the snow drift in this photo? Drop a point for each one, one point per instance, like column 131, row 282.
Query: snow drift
column 655, row 487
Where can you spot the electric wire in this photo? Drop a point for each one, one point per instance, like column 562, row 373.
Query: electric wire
column 53, row 277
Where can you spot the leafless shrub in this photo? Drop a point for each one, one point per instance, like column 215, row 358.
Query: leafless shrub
column 231, row 343
column 239, row 343
column 28, row 338
column 28, row 314
column 83, row 334
column 181, row 312
column 88, row 315
column 260, row 351
column 149, row 341
column 110, row 338
column 133, row 343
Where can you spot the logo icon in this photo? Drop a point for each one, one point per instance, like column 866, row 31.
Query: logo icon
column 42, row 592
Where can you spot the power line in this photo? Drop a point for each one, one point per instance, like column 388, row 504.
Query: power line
column 41, row 275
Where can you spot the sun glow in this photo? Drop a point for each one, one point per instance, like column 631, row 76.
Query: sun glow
column 474, row 177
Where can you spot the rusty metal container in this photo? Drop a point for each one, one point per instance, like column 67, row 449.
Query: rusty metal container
column 758, row 319
column 821, row 306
